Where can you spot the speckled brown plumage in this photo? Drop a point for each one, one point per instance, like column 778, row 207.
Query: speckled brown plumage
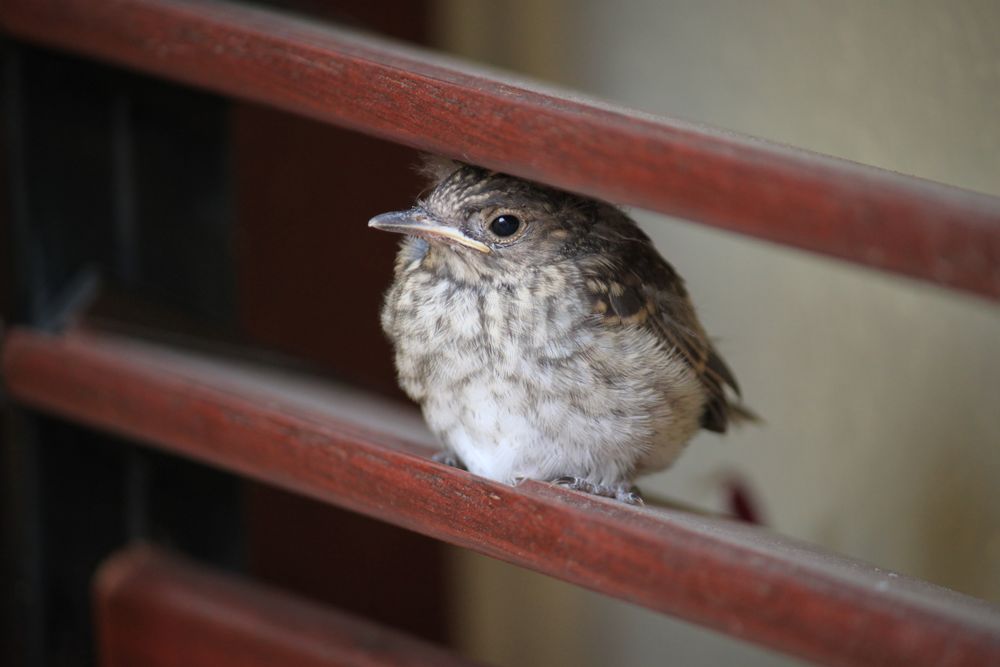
column 567, row 349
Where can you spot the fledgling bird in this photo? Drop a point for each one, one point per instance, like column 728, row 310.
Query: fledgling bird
column 545, row 337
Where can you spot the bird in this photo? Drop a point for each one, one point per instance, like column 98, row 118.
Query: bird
column 545, row 337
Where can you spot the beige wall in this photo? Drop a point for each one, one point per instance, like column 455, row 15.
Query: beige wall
column 882, row 396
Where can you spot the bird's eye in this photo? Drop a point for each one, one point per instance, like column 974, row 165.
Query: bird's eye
column 505, row 225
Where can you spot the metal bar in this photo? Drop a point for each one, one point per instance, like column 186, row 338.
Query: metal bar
column 732, row 577
column 158, row 610
column 857, row 213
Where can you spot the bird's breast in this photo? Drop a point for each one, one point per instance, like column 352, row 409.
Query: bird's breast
column 448, row 332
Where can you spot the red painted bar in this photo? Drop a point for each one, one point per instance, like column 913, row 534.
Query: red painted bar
column 155, row 609
column 857, row 213
column 735, row 578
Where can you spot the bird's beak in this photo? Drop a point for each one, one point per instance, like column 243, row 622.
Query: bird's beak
column 416, row 222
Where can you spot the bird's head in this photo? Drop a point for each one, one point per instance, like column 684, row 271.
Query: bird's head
column 492, row 220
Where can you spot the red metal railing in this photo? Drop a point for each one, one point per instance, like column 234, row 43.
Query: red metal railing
column 742, row 580
column 858, row 213
column 159, row 610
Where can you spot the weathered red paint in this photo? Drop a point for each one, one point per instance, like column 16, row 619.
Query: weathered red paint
column 735, row 578
column 857, row 213
column 155, row 609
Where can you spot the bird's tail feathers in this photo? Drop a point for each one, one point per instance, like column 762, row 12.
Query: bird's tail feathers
column 739, row 414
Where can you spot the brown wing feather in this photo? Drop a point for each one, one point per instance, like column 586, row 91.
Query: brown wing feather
column 677, row 325
column 639, row 288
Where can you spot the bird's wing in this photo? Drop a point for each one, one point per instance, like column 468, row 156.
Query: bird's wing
column 639, row 288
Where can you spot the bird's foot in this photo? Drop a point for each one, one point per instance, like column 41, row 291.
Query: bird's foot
column 623, row 492
column 629, row 494
column 448, row 459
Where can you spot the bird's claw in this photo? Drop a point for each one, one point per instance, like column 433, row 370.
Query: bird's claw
column 449, row 459
column 629, row 495
column 622, row 492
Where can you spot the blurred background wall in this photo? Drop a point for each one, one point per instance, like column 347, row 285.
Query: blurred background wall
column 881, row 396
